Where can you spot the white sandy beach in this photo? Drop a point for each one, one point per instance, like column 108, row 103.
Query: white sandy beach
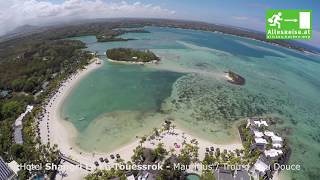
column 55, row 130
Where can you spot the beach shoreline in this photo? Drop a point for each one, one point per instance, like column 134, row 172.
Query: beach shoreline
column 55, row 130
column 53, row 116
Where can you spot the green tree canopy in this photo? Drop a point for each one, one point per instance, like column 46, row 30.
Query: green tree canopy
column 11, row 108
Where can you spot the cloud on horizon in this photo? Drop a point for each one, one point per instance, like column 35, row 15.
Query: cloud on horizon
column 241, row 18
column 16, row 13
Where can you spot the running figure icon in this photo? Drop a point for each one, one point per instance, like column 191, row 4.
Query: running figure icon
column 275, row 20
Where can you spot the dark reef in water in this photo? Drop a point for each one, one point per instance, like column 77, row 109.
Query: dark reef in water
column 236, row 78
column 210, row 100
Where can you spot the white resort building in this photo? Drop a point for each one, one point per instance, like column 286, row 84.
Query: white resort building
column 258, row 134
column 277, row 141
column 260, row 168
column 260, row 141
column 18, row 126
column 256, row 122
column 268, row 143
column 273, row 153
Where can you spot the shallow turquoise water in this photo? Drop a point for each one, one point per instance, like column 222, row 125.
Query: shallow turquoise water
column 279, row 83
column 117, row 87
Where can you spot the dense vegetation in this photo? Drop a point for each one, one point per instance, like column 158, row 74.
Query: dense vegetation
column 106, row 174
column 30, row 69
column 131, row 55
column 113, row 35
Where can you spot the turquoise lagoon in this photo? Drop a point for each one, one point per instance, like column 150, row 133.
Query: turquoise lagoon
column 116, row 103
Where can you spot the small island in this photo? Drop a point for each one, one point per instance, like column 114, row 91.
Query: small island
column 235, row 78
column 115, row 35
column 110, row 38
column 130, row 55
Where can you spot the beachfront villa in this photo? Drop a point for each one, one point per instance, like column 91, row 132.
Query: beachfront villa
column 277, row 141
column 260, row 168
column 259, row 138
column 270, row 146
column 258, row 134
column 259, row 143
column 273, row 153
column 256, row 122
column 18, row 139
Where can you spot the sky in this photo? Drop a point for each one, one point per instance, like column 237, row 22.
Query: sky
column 240, row 13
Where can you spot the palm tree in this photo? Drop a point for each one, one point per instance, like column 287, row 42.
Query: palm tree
column 156, row 132
column 137, row 153
column 160, row 151
column 143, row 139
